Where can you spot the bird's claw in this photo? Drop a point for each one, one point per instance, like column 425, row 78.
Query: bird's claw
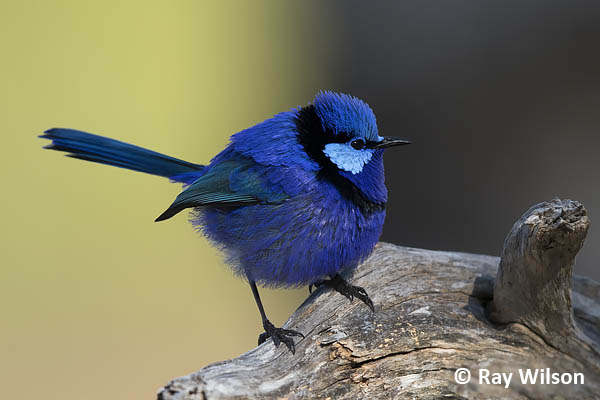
column 346, row 289
column 315, row 285
column 279, row 335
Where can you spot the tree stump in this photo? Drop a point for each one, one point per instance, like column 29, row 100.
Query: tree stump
column 437, row 312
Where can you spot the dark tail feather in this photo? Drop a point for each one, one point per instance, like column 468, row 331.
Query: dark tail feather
column 171, row 211
column 86, row 146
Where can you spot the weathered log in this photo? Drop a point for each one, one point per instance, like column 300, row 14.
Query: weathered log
column 533, row 284
column 436, row 312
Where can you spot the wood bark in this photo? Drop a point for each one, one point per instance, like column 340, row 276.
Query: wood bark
column 436, row 312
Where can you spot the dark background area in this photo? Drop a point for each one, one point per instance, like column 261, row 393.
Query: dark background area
column 502, row 102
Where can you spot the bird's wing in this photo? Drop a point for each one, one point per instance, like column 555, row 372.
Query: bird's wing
column 233, row 182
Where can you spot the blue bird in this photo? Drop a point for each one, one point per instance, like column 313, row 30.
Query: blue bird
column 296, row 200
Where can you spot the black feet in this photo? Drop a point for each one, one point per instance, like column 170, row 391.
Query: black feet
column 279, row 335
column 343, row 287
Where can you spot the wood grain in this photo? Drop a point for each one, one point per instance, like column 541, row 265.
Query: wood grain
column 436, row 311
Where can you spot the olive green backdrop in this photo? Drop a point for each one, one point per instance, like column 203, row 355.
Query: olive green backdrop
column 96, row 300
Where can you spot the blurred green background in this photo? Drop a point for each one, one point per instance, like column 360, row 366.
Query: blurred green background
column 97, row 301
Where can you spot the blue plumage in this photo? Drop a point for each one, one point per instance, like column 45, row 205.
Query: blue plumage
column 342, row 113
column 291, row 201
column 87, row 146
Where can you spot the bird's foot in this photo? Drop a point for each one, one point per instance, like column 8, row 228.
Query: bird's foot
column 343, row 287
column 279, row 335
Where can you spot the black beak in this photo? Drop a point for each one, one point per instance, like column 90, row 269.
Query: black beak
column 391, row 141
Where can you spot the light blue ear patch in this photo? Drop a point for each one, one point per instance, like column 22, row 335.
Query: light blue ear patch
column 346, row 158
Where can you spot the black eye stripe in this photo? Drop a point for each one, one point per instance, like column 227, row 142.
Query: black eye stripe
column 313, row 139
column 358, row 144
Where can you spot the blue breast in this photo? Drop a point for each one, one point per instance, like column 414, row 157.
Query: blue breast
column 308, row 237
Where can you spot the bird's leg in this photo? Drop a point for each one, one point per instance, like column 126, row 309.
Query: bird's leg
column 341, row 286
column 279, row 335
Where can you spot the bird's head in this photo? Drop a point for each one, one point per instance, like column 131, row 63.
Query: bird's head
column 340, row 130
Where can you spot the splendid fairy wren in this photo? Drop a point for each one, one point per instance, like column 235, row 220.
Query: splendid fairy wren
column 292, row 201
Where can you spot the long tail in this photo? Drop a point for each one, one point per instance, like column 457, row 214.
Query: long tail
column 86, row 146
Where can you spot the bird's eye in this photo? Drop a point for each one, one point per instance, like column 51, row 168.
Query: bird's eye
column 357, row 144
